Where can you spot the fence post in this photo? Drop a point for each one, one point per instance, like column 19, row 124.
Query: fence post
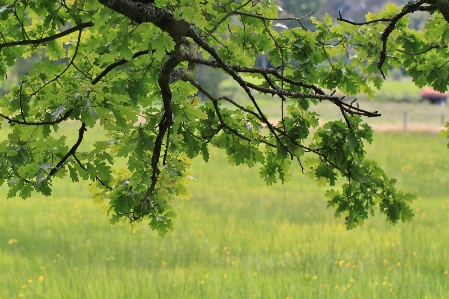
column 405, row 120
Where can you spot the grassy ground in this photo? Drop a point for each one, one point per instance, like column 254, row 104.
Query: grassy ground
column 237, row 238
column 399, row 90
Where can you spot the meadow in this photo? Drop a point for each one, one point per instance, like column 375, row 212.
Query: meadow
column 237, row 238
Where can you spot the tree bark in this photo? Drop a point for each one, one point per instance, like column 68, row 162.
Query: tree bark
column 443, row 7
column 142, row 13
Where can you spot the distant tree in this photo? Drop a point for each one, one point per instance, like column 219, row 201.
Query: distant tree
column 129, row 67
column 209, row 79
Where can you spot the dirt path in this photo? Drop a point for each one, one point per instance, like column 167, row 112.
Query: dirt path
column 409, row 128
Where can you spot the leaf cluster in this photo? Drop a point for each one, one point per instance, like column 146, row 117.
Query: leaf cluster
column 129, row 67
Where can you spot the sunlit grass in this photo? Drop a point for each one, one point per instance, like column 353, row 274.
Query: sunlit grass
column 237, row 238
column 402, row 90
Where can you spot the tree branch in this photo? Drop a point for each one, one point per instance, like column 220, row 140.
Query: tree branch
column 256, row 70
column 38, row 123
column 71, row 152
column 143, row 13
column 410, row 7
column 39, row 41
column 165, row 124
column 116, row 64
column 85, row 169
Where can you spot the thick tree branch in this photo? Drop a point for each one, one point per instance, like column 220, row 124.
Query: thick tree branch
column 164, row 126
column 143, row 13
column 442, row 5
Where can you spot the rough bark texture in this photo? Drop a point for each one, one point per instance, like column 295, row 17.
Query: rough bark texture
column 443, row 7
column 141, row 13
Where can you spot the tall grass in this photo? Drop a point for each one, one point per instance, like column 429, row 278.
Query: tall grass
column 237, row 238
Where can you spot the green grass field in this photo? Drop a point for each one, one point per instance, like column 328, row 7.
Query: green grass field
column 237, row 238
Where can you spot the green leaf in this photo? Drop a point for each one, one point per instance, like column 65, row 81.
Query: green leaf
column 109, row 69
column 162, row 44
